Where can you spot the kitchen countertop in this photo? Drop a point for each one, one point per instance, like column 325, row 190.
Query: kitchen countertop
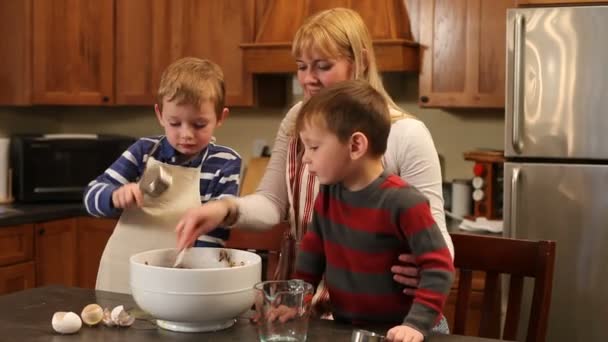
column 26, row 316
column 15, row 214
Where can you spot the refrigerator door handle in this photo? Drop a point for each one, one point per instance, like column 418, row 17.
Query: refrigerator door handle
column 515, row 176
column 517, row 83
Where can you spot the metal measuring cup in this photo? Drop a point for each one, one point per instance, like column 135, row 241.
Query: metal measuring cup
column 360, row 335
column 155, row 181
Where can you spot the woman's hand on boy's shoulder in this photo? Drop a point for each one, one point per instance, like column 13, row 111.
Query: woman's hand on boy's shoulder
column 128, row 196
column 406, row 273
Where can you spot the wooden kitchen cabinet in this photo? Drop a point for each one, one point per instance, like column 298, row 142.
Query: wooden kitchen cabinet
column 92, row 236
column 152, row 34
column 65, row 252
column 63, row 51
column 55, row 257
column 16, row 244
column 560, row 2
column 463, row 53
column 73, row 52
column 16, row 255
column 17, row 277
column 15, row 52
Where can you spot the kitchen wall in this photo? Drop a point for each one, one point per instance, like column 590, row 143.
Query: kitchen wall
column 27, row 119
column 454, row 132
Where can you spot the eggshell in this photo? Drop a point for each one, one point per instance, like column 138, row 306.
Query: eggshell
column 115, row 312
column 107, row 318
column 92, row 314
column 66, row 322
column 121, row 317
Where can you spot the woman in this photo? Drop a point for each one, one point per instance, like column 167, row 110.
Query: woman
column 331, row 46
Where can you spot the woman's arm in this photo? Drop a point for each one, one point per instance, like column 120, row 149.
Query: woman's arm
column 262, row 210
column 412, row 155
column 268, row 205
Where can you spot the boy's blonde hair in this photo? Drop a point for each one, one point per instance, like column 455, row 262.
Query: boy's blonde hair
column 341, row 32
column 193, row 81
column 349, row 107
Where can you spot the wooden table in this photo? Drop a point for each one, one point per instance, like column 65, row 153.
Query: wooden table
column 26, row 316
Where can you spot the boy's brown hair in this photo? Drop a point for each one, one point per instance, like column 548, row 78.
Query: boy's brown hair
column 193, row 81
column 348, row 107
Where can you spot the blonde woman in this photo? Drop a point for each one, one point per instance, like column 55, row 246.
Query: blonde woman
column 330, row 47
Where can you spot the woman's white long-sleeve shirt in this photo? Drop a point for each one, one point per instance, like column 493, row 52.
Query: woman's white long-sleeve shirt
column 410, row 153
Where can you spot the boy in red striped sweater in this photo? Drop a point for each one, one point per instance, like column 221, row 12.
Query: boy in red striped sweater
column 364, row 218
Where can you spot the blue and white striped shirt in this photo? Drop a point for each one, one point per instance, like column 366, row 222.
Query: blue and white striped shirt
column 220, row 174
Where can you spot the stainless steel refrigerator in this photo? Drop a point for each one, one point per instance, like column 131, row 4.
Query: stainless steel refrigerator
column 556, row 174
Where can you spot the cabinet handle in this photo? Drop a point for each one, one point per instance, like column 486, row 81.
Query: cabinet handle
column 424, row 99
column 41, row 231
column 105, row 99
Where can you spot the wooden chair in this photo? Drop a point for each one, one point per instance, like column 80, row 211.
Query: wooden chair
column 513, row 257
column 265, row 243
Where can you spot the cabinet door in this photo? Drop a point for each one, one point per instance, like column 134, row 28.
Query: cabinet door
column 73, row 51
column 16, row 244
column 93, row 234
column 17, row 277
column 56, row 252
column 463, row 53
column 15, row 52
column 560, row 2
column 152, row 34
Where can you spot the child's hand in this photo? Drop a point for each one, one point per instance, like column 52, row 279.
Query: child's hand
column 281, row 313
column 200, row 220
column 127, row 196
column 404, row 333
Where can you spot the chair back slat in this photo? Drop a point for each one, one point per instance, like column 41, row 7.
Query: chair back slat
column 516, row 258
column 463, row 300
column 539, row 313
column 490, row 308
column 516, row 284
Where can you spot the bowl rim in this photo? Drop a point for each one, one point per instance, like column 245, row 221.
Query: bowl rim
column 258, row 260
column 176, row 293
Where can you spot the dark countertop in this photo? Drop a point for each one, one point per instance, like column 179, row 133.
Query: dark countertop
column 15, row 214
column 26, row 316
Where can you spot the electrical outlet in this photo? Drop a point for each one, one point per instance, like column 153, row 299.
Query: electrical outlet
column 258, row 147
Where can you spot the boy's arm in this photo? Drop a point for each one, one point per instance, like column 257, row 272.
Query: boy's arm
column 126, row 169
column 433, row 258
column 227, row 181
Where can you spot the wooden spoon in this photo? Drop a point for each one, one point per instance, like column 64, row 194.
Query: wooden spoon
column 180, row 258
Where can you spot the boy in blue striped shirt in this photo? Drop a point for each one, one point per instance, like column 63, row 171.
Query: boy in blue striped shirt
column 190, row 106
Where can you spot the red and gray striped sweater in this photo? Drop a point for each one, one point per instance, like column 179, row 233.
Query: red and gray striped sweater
column 355, row 238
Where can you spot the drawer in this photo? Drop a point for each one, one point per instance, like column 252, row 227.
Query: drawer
column 17, row 277
column 16, row 244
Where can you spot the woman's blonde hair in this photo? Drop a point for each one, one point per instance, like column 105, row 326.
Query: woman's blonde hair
column 341, row 32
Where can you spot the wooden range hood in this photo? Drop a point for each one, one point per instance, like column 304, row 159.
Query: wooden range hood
column 278, row 20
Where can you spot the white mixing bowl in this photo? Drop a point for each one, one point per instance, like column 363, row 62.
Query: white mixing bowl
column 206, row 295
